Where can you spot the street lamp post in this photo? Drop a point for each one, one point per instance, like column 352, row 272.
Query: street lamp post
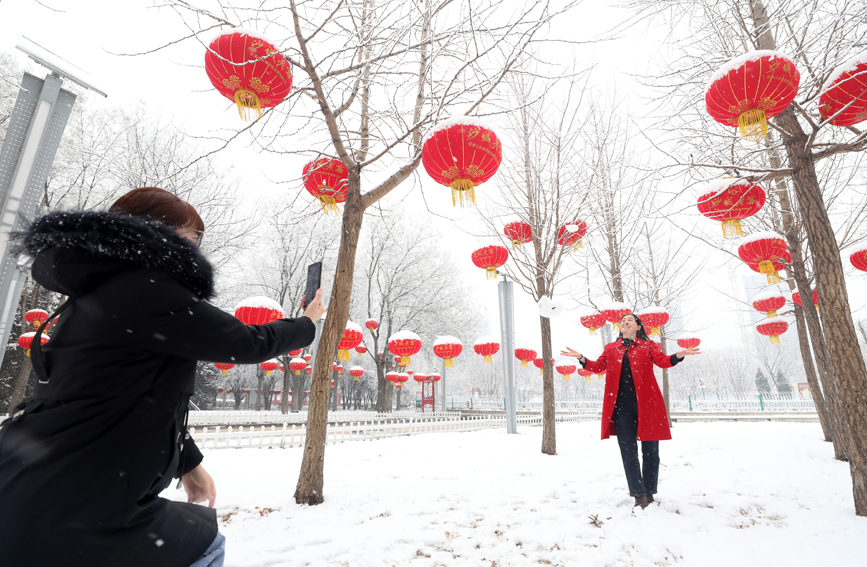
column 507, row 332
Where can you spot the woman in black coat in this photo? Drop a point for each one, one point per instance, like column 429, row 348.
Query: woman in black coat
column 83, row 462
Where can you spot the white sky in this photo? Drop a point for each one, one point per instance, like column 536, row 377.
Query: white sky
column 174, row 86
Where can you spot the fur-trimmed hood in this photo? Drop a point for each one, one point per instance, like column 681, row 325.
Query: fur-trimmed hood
column 104, row 242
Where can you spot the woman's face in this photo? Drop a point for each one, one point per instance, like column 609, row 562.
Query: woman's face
column 628, row 325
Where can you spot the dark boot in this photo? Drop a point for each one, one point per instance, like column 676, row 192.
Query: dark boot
column 641, row 501
column 650, row 499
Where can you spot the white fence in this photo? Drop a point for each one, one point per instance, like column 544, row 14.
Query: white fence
column 293, row 435
column 222, row 417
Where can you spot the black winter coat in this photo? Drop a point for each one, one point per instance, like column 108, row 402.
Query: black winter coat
column 82, row 462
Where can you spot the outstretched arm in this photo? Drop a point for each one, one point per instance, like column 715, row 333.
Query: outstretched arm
column 596, row 366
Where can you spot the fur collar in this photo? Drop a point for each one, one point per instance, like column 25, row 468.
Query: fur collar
column 114, row 236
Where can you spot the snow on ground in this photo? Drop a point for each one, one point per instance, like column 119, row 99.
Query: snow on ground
column 730, row 494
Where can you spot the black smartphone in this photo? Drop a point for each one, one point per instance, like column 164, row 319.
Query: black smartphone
column 314, row 282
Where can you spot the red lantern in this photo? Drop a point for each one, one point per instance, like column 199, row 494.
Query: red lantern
column 769, row 302
column 763, row 248
column 859, row 259
column 356, row 372
column 405, row 344
column 327, row 180
column 296, row 365
column 487, row 346
column 371, row 324
column 519, row 233
column 258, row 85
column 448, row 348
column 750, row 89
column 614, row 312
column 419, row 378
column 566, row 368
column 847, row 85
column 338, row 368
column 525, row 355
column 307, row 357
column 654, row 317
column 25, row 340
column 593, row 321
column 352, row 337
column 401, row 379
column 269, row 366
column 461, row 153
column 282, row 369
column 435, row 377
column 258, row 311
column 796, row 298
column 410, row 372
column 224, row 367
column 308, row 370
column 295, row 353
column 779, row 264
column 390, row 376
column 688, row 341
column 730, row 201
column 539, row 363
column 490, row 258
column 571, row 234
column 772, row 327
column 361, row 349
column 36, row 317
column 587, row 374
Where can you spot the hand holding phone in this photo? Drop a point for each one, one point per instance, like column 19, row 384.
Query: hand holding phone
column 315, row 310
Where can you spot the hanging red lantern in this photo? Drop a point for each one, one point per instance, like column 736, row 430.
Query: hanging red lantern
column 490, row 258
column 295, row 353
column 772, row 327
column 688, row 341
column 419, row 378
column 338, row 368
column 36, row 317
column 356, row 372
column 224, row 367
column 258, row 311
column 247, row 69
column 846, row 88
column 566, row 368
column 769, row 302
column 371, row 324
column 730, row 201
column 435, row 377
column 571, row 234
column 282, row 369
column 361, row 349
column 390, row 376
column 750, row 89
column 487, row 346
column 307, row 357
column 779, row 264
column 352, row 337
column 296, row 365
column 796, row 298
column 405, row 344
column 859, row 259
column 519, row 233
column 448, row 348
column 461, row 153
column 26, row 340
column 525, row 355
column 614, row 312
column 763, row 248
column 308, row 370
column 539, row 363
column 327, row 180
column 410, row 372
column 593, row 321
column 587, row 374
column 654, row 317
column 269, row 366
column 401, row 379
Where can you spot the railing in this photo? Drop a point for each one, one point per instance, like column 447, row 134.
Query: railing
column 294, row 435
column 222, row 417
column 741, row 404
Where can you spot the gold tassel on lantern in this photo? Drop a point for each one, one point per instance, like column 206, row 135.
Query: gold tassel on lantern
column 601, row 376
column 767, row 267
column 492, row 272
column 329, row 205
column 449, row 363
column 541, row 371
column 516, row 245
column 753, row 125
column 732, row 228
column 566, row 377
column 587, row 378
column 463, row 191
column 404, row 361
column 224, row 371
column 654, row 332
column 775, row 339
column 578, row 245
column 342, row 354
column 28, row 352
column 267, row 373
column 524, row 364
column 592, row 331
column 616, row 327
column 247, row 101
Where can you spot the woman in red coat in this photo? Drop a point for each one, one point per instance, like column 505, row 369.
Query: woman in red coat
column 633, row 408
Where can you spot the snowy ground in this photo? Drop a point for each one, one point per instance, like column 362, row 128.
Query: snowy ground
column 730, row 494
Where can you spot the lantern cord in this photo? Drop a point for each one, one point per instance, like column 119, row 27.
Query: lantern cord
column 753, row 125
column 732, row 228
column 247, row 101
column 463, row 192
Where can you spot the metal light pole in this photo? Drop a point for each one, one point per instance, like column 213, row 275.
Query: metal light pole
column 32, row 138
column 443, row 380
column 507, row 331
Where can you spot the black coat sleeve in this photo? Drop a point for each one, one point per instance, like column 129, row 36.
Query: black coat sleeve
column 192, row 456
column 182, row 325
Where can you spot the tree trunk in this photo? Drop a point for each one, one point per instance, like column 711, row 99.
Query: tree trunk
column 850, row 373
column 310, row 479
column 287, row 384
column 259, row 392
column 666, row 397
column 549, row 432
column 812, row 379
column 19, row 388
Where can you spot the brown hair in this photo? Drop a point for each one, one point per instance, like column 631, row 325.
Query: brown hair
column 159, row 205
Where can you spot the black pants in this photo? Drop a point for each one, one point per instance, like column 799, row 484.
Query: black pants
column 625, row 419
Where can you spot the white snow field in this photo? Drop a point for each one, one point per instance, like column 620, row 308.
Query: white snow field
column 730, row 494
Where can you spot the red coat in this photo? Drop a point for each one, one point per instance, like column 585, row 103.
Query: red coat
column 652, row 418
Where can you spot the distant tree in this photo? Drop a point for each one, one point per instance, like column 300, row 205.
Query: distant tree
column 762, row 384
column 783, row 385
